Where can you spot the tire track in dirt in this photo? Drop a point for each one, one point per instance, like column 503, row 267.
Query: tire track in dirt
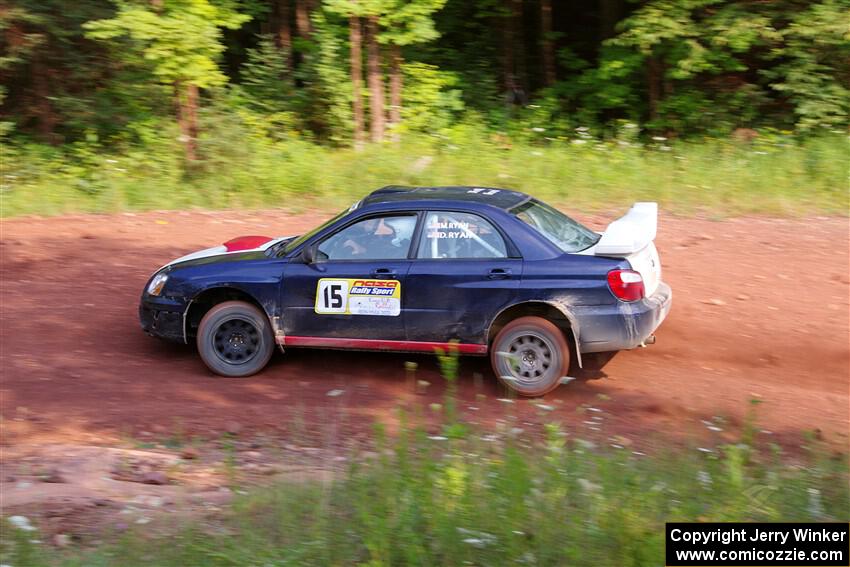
column 760, row 311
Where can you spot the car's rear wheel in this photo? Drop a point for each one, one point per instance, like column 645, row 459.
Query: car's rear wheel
column 530, row 355
column 235, row 339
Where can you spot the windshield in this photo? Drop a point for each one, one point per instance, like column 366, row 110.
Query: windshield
column 296, row 242
column 558, row 228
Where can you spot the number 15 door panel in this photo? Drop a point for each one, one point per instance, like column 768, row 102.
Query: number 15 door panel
column 358, row 300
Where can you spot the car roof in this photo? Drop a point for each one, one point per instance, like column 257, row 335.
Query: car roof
column 501, row 198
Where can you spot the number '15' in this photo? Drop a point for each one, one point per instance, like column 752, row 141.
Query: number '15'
column 333, row 296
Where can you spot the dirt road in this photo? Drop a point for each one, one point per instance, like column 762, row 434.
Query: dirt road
column 760, row 312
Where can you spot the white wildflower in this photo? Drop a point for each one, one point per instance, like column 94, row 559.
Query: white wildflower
column 815, row 503
column 22, row 523
column 587, row 486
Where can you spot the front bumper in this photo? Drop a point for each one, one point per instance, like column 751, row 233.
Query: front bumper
column 622, row 326
column 163, row 317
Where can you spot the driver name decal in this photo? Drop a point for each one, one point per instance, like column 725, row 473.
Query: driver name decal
column 358, row 297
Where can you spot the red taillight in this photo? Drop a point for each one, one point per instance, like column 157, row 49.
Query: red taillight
column 626, row 285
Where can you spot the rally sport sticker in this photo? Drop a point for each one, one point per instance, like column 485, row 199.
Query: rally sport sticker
column 358, row 297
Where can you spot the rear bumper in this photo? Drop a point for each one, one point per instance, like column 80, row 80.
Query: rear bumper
column 622, row 326
column 162, row 317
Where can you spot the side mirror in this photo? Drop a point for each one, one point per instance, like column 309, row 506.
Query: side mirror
column 309, row 254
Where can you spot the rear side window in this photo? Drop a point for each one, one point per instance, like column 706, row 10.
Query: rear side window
column 449, row 234
column 555, row 226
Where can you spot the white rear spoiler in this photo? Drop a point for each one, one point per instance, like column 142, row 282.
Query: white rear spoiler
column 631, row 232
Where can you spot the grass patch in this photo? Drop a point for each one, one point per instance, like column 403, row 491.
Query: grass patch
column 778, row 175
column 488, row 499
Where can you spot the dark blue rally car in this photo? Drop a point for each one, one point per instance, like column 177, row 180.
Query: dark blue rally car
column 482, row 270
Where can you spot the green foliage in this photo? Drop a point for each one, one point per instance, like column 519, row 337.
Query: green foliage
column 246, row 165
column 814, row 72
column 499, row 498
column 331, row 86
column 687, row 68
column 266, row 78
column 181, row 39
column 720, row 61
column 432, row 100
column 408, row 22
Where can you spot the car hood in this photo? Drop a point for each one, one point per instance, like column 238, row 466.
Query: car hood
column 234, row 250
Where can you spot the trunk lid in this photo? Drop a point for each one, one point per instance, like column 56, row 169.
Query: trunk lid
column 631, row 237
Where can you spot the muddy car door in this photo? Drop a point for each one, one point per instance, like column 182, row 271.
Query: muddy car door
column 463, row 274
column 351, row 285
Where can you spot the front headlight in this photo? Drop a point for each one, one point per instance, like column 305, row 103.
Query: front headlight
column 157, row 283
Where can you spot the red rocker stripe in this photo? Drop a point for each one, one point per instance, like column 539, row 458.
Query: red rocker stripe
column 377, row 344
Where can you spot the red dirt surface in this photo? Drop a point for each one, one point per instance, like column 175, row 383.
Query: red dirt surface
column 760, row 312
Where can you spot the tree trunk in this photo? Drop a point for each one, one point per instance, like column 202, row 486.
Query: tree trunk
column 547, row 43
column 653, row 79
column 44, row 110
column 513, row 54
column 303, row 26
column 508, row 51
column 355, row 37
column 519, row 45
column 610, row 12
column 376, row 82
column 187, row 118
column 395, row 89
column 283, row 33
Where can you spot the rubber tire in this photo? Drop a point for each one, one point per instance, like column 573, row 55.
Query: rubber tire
column 553, row 334
column 218, row 315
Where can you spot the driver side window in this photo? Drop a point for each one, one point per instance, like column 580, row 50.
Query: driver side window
column 375, row 238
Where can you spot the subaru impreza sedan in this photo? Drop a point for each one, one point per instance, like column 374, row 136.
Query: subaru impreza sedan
column 483, row 271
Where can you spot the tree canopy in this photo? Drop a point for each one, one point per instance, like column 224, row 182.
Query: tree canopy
column 111, row 68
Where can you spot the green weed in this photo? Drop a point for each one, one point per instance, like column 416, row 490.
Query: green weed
column 775, row 176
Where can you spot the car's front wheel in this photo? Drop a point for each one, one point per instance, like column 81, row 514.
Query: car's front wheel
column 235, row 339
column 530, row 355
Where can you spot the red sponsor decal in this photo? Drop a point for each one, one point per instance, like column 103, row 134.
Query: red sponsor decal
column 241, row 243
column 375, row 283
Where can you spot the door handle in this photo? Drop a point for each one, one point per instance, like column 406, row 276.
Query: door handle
column 499, row 273
column 385, row 273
